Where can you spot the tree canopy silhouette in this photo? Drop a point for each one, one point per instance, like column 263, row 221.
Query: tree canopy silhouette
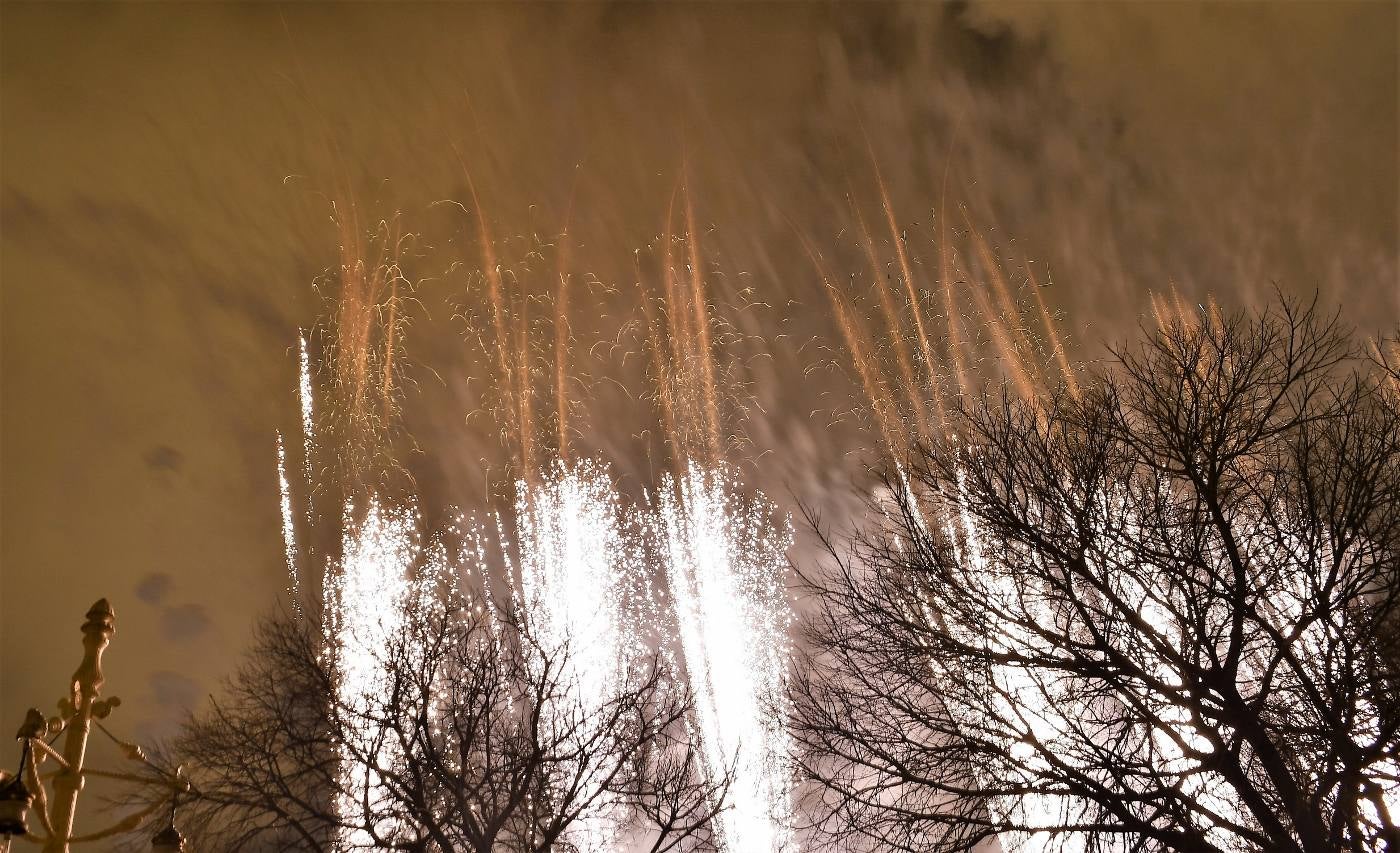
column 469, row 737
column 1154, row 614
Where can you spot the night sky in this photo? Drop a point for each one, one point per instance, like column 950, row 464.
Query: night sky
column 165, row 189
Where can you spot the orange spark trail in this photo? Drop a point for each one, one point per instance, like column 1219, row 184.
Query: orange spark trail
column 915, row 304
column 1388, row 359
column 702, row 324
column 1053, row 332
column 950, row 308
column 352, row 332
column 874, row 386
column 561, row 327
column 658, row 363
column 526, row 425
column 896, row 333
column 1006, row 307
column 366, row 318
column 1014, row 335
column 1168, row 311
column 1011, row 359
column 495, row 292
column 390, row 342
column 945, row 278
column 1161, row 311
column 677, row 319
column 561, row 342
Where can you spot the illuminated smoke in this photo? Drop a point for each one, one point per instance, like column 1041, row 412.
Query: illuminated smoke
column 578, row 570
column 725, row 556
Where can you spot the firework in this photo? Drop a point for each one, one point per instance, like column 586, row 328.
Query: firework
column 575, row 553
column 289, row 533
column 1168, row 738
column 725, row 558
column 579, row 568
column 291, row 551
column 306, row 403
column 907, row 398
column 362, row 603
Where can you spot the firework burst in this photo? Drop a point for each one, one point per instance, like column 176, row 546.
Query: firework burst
column 725, row 558
column 580, row 572
column 586, row 568
column 362, row 602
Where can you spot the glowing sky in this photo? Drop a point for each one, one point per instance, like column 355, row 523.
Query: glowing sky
column 162, row 218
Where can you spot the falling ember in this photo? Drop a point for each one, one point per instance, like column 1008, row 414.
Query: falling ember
column 578, row 570
column 891, row 315
column 561, row 358
column 725, row 556
column 907, row 275
column 1057, row 345
column 702, row 326
column 379, row 552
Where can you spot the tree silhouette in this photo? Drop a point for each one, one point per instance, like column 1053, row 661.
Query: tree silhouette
column 1156, row 614
column 469, row 739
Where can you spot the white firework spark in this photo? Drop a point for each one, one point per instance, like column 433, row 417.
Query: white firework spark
column 581, row 578
column 579, row 569
column 306, row 398
column 364, row 601
column 289, row 533
column 284, row 489
column 725, row 557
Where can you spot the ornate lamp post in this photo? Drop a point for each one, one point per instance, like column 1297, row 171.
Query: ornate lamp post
column 76, row 713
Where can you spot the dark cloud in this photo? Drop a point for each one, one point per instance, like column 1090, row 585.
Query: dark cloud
column 133, row 222
column 184, row 622
column 169, row 699
column 154, row 587
column 175, row 691
column 20, row 212
column 164, row 458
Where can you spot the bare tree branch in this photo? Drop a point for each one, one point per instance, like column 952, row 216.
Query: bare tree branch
column 1156, row 616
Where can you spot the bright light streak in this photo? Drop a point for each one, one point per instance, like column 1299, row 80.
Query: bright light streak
column 364, row 601
column 725, row 557
column 306, row 397
column 578, row 570
column 289, row 533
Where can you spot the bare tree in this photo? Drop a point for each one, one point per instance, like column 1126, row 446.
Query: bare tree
column 469, row 737
column 1148, row 616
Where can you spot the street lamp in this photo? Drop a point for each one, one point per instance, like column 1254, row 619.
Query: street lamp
column 76, row 713
column 169, row 840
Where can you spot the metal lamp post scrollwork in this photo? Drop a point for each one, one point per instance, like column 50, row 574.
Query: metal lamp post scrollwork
column 78, row 710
